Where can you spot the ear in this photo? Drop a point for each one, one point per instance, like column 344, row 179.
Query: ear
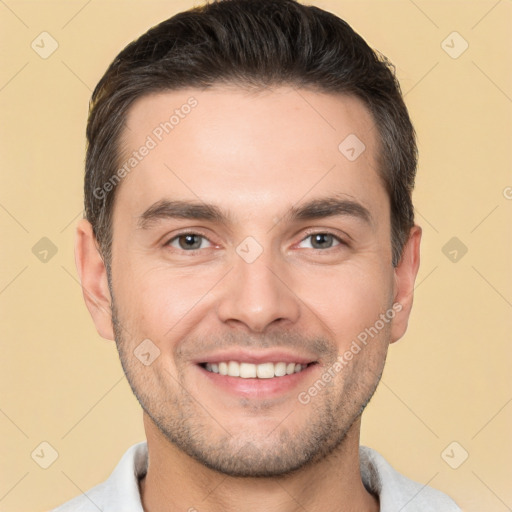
column 405, row 276
column 93, row 278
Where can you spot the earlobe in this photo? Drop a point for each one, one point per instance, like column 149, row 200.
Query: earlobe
column 93, row 278
column 405, row 277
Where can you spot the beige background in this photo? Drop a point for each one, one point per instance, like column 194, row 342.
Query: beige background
column 447, row 380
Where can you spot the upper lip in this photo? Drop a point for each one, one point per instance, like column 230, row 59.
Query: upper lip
column 255, row 357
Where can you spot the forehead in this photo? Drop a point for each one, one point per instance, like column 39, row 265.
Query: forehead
column 248, row 151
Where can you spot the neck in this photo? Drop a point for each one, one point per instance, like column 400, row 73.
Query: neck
column 175, row 481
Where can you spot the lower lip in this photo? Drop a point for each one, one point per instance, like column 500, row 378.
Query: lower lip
column 258, row 388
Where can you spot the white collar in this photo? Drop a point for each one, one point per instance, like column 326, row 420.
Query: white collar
column 120, row 492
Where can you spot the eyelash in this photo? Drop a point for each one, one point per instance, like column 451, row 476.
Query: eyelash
column 308, row 235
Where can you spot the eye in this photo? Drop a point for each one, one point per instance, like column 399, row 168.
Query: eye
column 188, row 241
column 321, row 241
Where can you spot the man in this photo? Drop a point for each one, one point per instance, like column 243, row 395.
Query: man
column 250, row 245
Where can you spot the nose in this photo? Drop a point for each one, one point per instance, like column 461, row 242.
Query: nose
column 257, row 295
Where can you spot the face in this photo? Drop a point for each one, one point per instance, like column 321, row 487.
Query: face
column 250, row 255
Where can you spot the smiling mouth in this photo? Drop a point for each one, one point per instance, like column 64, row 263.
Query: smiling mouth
column 255, row 371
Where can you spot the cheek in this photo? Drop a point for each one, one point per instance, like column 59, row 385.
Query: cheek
column 162, row 304
column 349, row 298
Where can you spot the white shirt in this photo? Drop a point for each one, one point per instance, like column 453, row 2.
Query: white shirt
column 120, row 492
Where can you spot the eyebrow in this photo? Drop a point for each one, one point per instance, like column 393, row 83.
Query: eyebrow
column 193, row 210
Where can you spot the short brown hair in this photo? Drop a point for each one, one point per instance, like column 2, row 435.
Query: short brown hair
column 252, row 44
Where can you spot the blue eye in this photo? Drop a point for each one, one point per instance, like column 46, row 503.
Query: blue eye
column 188, row 241
column 322, row 241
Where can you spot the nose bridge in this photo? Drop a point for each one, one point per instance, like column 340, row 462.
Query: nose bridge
column 255, row 292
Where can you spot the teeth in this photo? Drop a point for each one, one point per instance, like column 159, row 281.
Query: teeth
column 265, row 371
column 247, row 370
column 233, row 369
column 280, row 369
column 251, row 371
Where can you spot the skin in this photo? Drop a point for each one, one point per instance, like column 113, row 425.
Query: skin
column 255, row 155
